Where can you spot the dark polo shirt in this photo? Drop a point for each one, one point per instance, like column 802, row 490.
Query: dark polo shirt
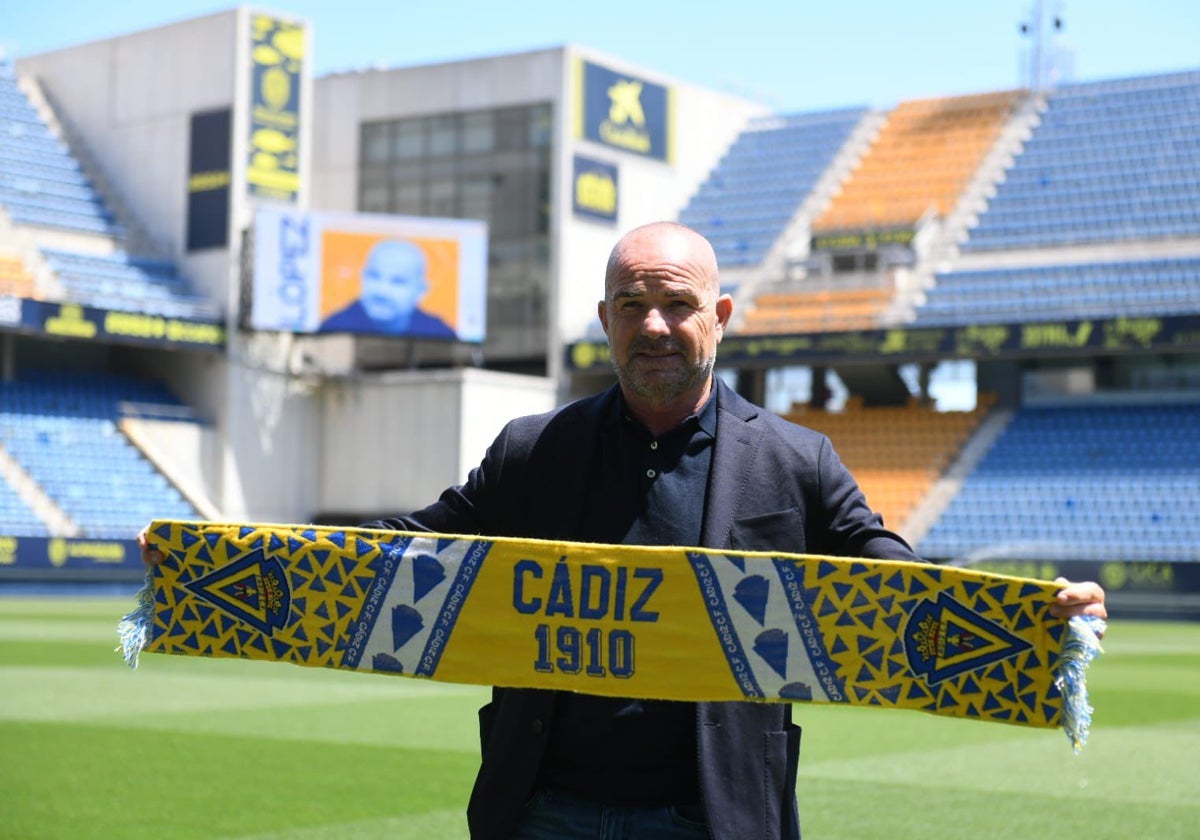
column 640, row 490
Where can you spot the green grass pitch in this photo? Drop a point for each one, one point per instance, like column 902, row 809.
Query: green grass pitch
column 192, row 748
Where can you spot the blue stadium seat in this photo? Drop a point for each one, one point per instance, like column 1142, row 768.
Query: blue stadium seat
column 62, row 429
column 756, row 188
column 1150, row 287
column 34, row 167
column 1114, row 482
column 1110, row 161
column 135, row 284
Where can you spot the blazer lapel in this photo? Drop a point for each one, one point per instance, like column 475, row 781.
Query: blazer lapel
column 732, row 463
column 568, row 459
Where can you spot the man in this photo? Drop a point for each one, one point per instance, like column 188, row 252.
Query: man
column 668, row 456
column 393, row 284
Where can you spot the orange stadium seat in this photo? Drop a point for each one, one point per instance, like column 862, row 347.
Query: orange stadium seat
column 896, row 453
column 816, row 311
column 923, row 158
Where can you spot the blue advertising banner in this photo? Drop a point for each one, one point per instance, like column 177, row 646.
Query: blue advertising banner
column 87, row 323
column 623, row 111
column 594, row 189
column 44, row 553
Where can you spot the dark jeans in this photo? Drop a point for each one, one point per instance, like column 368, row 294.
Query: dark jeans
column 556, row 816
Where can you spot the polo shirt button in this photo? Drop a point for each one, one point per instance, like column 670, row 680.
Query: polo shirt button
column 654, row 444
column 650, row 473
column 537, row 726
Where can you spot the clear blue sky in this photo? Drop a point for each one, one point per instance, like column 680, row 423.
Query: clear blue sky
column 792, row 55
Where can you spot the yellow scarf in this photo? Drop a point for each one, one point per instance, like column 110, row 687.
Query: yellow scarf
column 628, row 621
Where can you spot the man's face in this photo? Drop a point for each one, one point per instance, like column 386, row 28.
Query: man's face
column 663, row 318
column 393, row 280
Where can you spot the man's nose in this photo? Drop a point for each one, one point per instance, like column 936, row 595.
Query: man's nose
column 655, row 324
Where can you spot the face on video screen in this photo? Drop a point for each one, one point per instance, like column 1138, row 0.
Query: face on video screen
column 393, row 280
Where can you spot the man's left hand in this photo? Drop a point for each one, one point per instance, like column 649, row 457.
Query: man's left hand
column 1082, row 598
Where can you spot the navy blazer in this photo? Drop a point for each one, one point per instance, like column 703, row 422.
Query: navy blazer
column 773, row 486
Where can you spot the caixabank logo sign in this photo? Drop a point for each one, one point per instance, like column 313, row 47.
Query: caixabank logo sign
column 623, row 111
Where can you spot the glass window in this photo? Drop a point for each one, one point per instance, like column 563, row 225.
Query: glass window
column 375, row 142
column 476, row 197
column 373, row 197
column 477, row 132
column 406, row 199
column 409, row 141
column 512, row 128
column 442, row 198
column 541, row 127
column 443, row 135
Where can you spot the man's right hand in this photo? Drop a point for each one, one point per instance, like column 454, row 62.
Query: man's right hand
column 150, row 556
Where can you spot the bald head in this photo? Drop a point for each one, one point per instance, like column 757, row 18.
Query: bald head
column 664, row 314
column 665, row 245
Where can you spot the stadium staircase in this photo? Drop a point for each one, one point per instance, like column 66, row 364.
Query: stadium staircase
column 757, row 203
column 785, row 264
column 753, row 193
column 919, row 165
column 940, row 249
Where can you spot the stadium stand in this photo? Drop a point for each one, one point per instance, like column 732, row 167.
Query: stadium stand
column 135, row 284
column 756, row 188
column 1165, row 286
column 922, row 160
column 17, row 518
column 63, row 430
column 1112, row 160
column 1081, row 482
column 43, row 185
column 896, row 453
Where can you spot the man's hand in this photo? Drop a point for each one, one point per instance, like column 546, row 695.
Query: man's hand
column 150, row 556
column 1083, row 598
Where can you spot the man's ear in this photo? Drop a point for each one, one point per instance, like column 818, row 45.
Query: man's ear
column 602, row 312
column 724, row 307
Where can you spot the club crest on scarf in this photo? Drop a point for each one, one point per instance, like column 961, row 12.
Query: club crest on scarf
column 944, row 639
column 253, row 589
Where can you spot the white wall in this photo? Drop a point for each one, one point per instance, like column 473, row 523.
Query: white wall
column 393, row 443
